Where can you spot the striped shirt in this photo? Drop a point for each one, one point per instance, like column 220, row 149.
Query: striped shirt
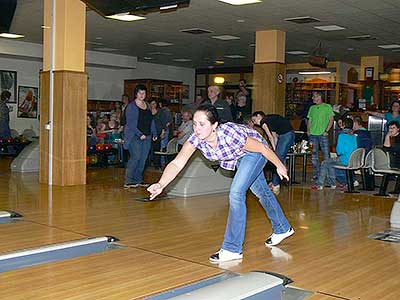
column 231, row 139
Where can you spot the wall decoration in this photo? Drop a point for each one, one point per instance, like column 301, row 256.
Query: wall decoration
column 8, row 82
column 28, row 98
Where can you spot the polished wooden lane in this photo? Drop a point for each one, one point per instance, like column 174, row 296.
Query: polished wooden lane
column 169, row 241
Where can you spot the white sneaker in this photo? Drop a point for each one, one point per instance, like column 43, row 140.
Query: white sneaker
column 356, row 183
column 224, row 256
column 276, row 238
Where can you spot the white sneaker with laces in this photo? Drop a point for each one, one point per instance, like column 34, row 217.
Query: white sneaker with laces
column 224, row 256
column 276, row 238
column 356, row 183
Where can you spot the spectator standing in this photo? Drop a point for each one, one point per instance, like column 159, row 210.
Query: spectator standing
column 320, row 121
column 347, row 143
column 221, row 105
column 4, row 115
column 139, row 131
column 281, row 135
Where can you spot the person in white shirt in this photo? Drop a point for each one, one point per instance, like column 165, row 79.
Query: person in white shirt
column 185, row 129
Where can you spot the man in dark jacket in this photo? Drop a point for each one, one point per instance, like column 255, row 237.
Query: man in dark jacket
column 364, row 139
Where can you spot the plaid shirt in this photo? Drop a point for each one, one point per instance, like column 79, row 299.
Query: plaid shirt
column 231, row 140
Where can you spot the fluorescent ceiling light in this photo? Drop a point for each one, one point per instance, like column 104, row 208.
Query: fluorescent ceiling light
column 147, row 58
column 126, row 17
column 393, row 46
column 160, row 44
column 169, row 7
column 315, row 73
column 240, row 2
column 329, row 28
column 182, row 59
column 11, row 35
column 235, row 56
column 296, row 52
column 219, row 62
column 225, row 37
column 252, row 45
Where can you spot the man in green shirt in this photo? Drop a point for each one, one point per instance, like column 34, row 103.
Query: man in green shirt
column 320, row 121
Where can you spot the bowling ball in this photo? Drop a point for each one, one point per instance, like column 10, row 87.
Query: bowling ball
column 10, row 140
column 92, row 149
column 100, row 147
column 2, row 141
column 93, row 159
column 107, row 147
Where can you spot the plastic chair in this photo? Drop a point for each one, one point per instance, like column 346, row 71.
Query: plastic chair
column 171, row 151
column 381, row 165
column 368, row 179
column 356, row 162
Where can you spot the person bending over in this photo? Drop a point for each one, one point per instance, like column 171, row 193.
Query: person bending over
column 237, row 147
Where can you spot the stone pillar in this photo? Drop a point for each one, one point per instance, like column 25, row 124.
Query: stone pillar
column 269, row 72
column 63, row 105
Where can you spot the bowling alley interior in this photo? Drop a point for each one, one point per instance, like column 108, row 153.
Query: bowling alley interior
column 162, row 197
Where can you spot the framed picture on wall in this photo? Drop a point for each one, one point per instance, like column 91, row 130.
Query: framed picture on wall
column 8, row 84
column 28, row 102
column 369, row 73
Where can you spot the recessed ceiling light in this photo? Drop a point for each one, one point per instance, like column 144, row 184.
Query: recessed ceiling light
column 182, row 59
column 235, row 56
column 296, row 52
column 392, row 46
column 105, row 49
column 99, row 38
column 225, row 37
column 125, row 17
column 315, row 73
column 329, row 28
column 240, row 2
column 302, row 20
column 240, row 21
column 11, row 35
column 160, row 44
column 147, row 58
column 364, row 37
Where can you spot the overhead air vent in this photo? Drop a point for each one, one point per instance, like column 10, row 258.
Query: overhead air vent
column 302, row 20
column 196, row 31
column 360, row 38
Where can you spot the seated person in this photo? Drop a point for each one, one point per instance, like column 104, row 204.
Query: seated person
column 347, row 143
column 364, row 139
column 392, row 143
column 185, row 129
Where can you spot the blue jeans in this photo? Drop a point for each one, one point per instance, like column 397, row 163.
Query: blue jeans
column 330, row 174
column 285, row 141
column 323, row 142
column 163, row 145
column 138, row 152
column 249, row 174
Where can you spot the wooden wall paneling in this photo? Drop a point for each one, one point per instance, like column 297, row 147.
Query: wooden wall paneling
column 44, row 119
